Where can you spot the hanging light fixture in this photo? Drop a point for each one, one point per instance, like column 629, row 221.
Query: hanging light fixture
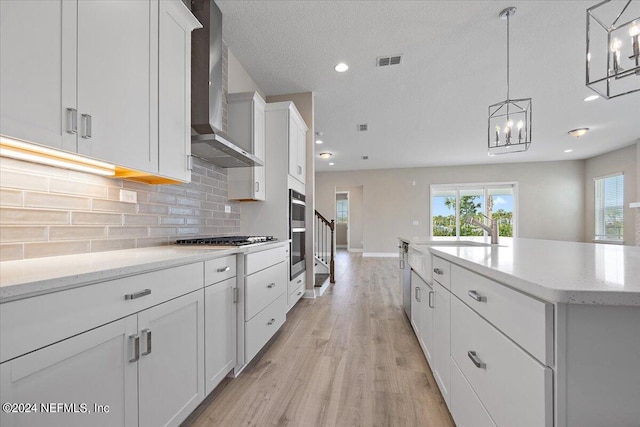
column 613, row 48
column 509, row 124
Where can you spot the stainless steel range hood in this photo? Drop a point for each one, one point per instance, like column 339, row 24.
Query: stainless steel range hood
column 207, row 140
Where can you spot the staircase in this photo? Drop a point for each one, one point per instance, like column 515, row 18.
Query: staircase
column 323, row 251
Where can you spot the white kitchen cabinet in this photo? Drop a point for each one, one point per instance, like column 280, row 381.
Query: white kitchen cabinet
column 441, row 365
column 422, row 314
column 246, row 128
column 171, row 365
column 297, row 146
column 174, row 89
column 219, row 331
column 38, row 69
column 93, row 368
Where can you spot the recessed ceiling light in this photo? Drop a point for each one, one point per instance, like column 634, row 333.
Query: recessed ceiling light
column 319, row 141
column 591, row 98
column 331, row 164
column 578, row 132
column 568, row 151
column 341, row 67
column 325, row 155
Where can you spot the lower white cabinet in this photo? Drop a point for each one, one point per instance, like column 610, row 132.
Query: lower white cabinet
column 422, row 314
column 465, row 407
column 441, row 365
column 147, row 369
column 90, row 368
column 260, row 329
column 171, row 365
column 219, row 331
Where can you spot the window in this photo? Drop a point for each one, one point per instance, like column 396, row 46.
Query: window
column 609, row 208
column 342, row 212
column 451, row 204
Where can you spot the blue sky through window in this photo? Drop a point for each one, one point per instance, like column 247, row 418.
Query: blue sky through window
column 502, row 201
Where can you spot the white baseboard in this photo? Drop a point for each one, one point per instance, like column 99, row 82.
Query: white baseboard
column 321, row 290
column 380, row 255
column 309, row 294
column 355, row 250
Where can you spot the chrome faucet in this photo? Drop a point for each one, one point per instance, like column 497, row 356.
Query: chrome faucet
column 493, row 230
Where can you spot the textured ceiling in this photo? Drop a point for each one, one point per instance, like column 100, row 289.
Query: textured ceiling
column 432, row 109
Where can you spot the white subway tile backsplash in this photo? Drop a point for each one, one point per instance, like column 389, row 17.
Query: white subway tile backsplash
column 47, row 211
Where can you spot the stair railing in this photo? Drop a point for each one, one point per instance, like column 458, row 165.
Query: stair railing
column 324, row 243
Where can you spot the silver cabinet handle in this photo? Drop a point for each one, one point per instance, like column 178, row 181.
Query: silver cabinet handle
column 431, row 293
column 299, row 293
column 476, row 296
column 299, row 170
column 257, row 186
column 271, row 322
column 438, row 271
column 236, row 295
column 138, row 294
column 401, row 264
column 271, row 285
column 86, row 124
column 136, row 347
column 299, row 281
column 222, row 270
column 476, row 360
column 147, row 333
column 72, row 121
column 418, row 294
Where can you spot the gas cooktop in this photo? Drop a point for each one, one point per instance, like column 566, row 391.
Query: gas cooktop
column 226, row 240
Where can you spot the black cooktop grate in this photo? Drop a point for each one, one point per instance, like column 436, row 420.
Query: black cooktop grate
column 226, row 240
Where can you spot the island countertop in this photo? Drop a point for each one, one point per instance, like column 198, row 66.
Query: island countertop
column 556, row 271
column 31, row 277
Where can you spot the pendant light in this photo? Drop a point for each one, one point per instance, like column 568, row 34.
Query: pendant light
column 509, row 124
column 613, row 48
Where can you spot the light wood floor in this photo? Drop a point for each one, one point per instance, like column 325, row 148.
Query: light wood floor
column 348, row 358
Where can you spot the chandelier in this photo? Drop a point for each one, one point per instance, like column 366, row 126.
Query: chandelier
column 613, row 48
column 509, row 124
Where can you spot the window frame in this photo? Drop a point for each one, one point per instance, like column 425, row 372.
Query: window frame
column 605, row 238
column 474, row 185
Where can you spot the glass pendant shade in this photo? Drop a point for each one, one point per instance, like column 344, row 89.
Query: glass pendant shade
column 613, row 48
column 509, row 126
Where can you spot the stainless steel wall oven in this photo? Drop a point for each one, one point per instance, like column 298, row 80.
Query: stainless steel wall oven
column 297, row 231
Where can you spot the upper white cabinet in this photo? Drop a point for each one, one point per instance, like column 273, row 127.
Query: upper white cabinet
column 38, row 69
column 83, row 76
column 174, row 89
column 117, row 77
column 246, row 128
column 297, row 146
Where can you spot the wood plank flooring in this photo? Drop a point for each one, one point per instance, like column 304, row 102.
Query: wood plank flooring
column 348, row 358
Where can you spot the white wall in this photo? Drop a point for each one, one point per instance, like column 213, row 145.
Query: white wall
column 239, row 79
column 624, row 160
column 551, row 198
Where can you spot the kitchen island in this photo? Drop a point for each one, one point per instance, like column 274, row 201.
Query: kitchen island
column 535, row 332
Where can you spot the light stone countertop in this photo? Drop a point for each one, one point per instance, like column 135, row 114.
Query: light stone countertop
column 31, row 277
column 556, row 271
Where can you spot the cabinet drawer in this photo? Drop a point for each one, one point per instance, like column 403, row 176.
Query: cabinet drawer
column 263, row 287
column 524, row 319
column 260, row 260
column 296, row 283
column 514, row 387
column 466, row 408
column 260, row 329
column 295, row 296
column 32, row 323
column 217, row 270
column 442, row 271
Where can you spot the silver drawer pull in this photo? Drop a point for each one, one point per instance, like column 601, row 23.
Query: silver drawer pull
column 138, row 294
column 438, row 271
column 299, row 293
column 299, row 281
column 431, row 294
column 136, row 347
column 72, row 121
column 476, row 296
column 86, row 121
column 222, row 270
column 147, row 332
column 476, row 360
column 271, row 322
column 271, row 285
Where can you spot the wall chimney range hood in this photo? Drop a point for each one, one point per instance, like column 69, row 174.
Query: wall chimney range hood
column 208, row 142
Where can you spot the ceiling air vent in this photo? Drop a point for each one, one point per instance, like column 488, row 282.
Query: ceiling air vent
column 384, row 61
column 363, row 128
column 365, row 157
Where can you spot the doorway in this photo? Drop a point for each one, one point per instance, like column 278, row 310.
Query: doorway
column 342, row 220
